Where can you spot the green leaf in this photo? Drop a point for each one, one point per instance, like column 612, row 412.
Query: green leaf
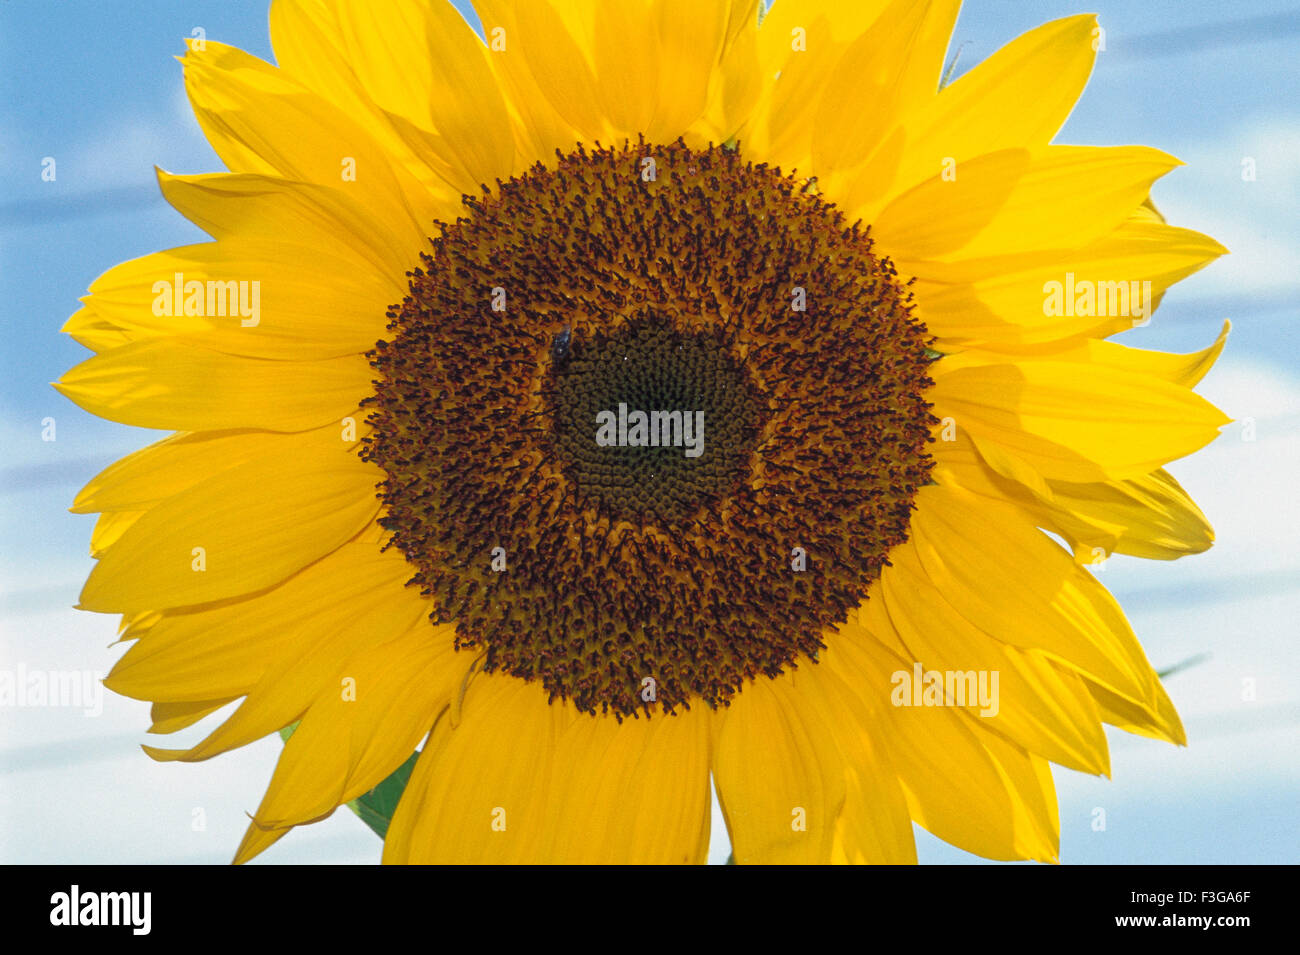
column 376, row 807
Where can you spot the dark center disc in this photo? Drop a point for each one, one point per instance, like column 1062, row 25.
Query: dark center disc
column 652, row 423
column 649, row 429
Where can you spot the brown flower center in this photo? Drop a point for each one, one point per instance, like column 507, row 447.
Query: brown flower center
column 651, row 422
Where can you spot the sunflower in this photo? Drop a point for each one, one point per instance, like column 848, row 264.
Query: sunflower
column 640, row 394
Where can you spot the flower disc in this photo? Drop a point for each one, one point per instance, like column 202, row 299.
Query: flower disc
column 621, row 574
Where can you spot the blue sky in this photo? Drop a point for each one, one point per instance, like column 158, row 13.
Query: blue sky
column 95, row 86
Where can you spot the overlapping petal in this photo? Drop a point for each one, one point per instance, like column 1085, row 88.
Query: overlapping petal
column 517, row 779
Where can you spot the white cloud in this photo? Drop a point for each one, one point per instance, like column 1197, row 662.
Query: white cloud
column 125, row 154
column 1255, row 219
column 1246, row 388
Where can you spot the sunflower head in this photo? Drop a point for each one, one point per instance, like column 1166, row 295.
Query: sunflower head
column 638, row 393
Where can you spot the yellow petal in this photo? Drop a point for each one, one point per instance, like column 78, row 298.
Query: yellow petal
column 150, row 475
column 779, row 773
column 1033, row 596
column 309, row 47
column 260, row 120
column 1034, row 705
column 1017, row 201
column 912, row 227
column 540, row 129
column 691, row 40
column 518, row 779
column 621, row 53
column 262, row 298
column 963, row 783
column 95, row 332
column 225, row 650
column 1019, row 97
column 1007, row 298
column 237, row 532
column 557, row 62
column 365, row 722
column 109, row 529
column 799, row 44
column 1163, row 724
column 1150, row 516
column 1074, row 421
column 421, row 61
column 604, row 813
column 479, row 790
column 736, row 84
column 257, row 207
column 309, row 664
column 875, row 827
column 158, row 383
column 171, row 717
column 256, row 841
column 883, row 76
column 1179, row 369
